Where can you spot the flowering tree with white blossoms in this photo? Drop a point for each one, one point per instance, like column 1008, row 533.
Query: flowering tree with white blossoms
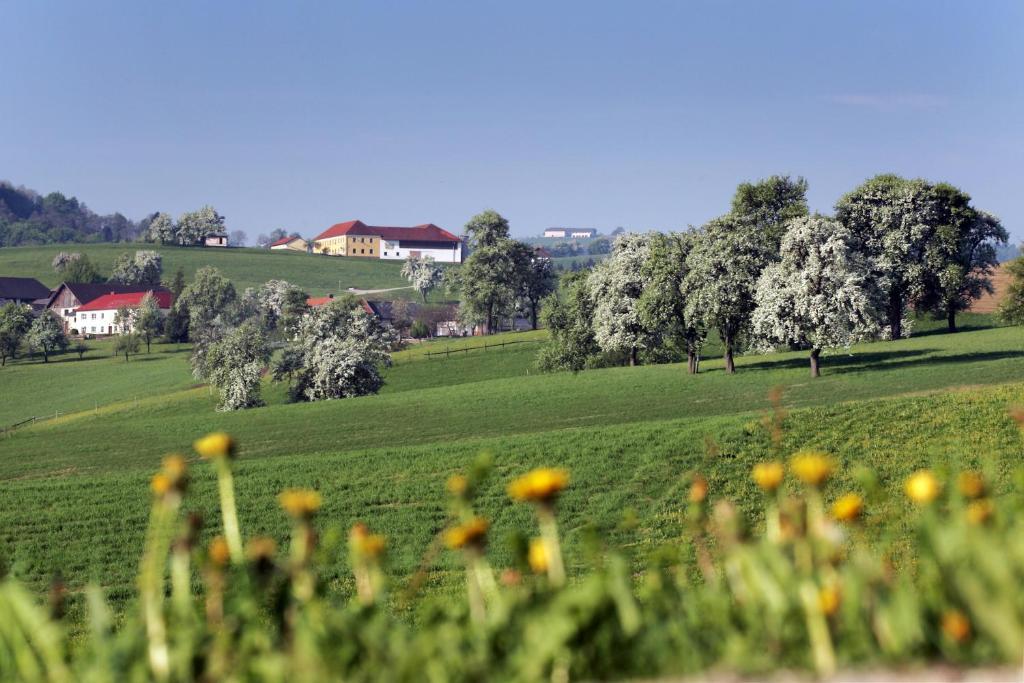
column 337, row 353
column 235, row 364
column 162, row 229
column 820, row 295
column 616, row 285
column 423, row 274
column 725, row 262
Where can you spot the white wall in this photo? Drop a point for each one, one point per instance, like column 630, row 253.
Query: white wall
column 103, row 323
column 391, row 250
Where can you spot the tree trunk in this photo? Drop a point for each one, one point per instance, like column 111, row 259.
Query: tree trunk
column 951, row 319
column 490, row 318
column 46, row 356
column 730, row 364
column 896, row 314
column 533, row 314
column 691, row 362
column 423, row 293
column 632, row 357
column 815, row 369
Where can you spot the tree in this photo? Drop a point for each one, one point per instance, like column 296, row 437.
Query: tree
column 600, row 246
column 15, row 322
column 1011, row 308
column 893, row 222
column 616, row 286
column 769, row 203
column 176, row 324
column 194, row 226
column 178, row 283
column 126, row 343
column 538, row 281
column 819, row 295
column 962, row 255
column 46, row 333
column 490, row 279
column 162, row 229
column 486, row 229
column 237, row 238
column 423, row 274
column 235, row 365
column 419, row 330
column 145, row 268
column 277, row 302
column 275, row 235
column 80, row 348
column 124, row 319
column 341, row 349
column 209, row 295
column 263, row 240
column 724, row 265
column 75, row 267
column 149, row 321
column 662, row 305
column 569, row 319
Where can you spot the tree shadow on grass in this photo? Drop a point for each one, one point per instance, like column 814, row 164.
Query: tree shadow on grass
column 867, row 362
column 888, row 358
column 959, row 329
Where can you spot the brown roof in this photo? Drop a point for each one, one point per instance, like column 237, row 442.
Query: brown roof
column 23, row 288
column 428, row 232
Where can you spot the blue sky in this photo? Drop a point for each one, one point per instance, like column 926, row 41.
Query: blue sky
column 641, row 114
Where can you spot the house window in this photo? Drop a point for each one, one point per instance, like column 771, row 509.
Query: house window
column 362, row 251
column 385, row 253
column 371, row 250
column 93, row 316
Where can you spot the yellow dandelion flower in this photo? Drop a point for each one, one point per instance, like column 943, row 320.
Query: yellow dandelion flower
column 300, row 503
column 538, row 556
column 161, row 484
column 218, row 551
column 540, row 485
column 768, row 475
column 980, row 511
column 812, row 467
column 215, row 445
column 261, row 548
column 174, row 466
column 698, row 489
column 472, row 532
column 848, row 508
column 956, row 625
column 457, row 484
column 829, row 599
column 971, row 484
column 365, row 544
column 922, row 487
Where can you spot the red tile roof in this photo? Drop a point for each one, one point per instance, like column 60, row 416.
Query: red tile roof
column 112, row 302
column 428, row 232
column 319, row 300
column 283, row 240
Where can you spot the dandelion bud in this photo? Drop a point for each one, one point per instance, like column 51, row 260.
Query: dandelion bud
column 471, row 533
column 218, row 551
column 980, row 511
column 956, row 626
column 848, row 508
column 541, row 485
column 300, row 504
column 812, row 467
column 922, row 487
column 829, row 599
column 768, row 475
column 457, row 485
column 971, row 484
column 698, row 489
column 215, row 445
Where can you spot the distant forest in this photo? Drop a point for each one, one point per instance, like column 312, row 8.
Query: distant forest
column 28, row 218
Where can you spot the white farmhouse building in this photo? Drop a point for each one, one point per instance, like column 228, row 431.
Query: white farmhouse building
column 97, row 316
column 355, row 238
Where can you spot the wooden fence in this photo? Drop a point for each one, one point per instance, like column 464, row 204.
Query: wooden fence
column 466, row 349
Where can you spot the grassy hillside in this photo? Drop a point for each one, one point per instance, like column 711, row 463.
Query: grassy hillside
column 74, row 487
column 317, row 274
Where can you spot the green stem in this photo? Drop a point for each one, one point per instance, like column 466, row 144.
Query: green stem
column 549, row 533
column 232, row 535
column 817, row 630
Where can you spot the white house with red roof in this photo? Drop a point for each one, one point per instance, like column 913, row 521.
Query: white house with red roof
column 97, row 316
column 289, row 244
column 355, row 238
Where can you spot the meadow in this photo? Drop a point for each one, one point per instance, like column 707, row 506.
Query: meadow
column 246, row 267
column 75, row 497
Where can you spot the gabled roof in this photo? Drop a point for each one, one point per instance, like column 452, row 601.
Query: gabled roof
column 427, row 232
column 27, row 288
column 88, row 291
column 111, row 302
column 314, row 301
column 284, row 240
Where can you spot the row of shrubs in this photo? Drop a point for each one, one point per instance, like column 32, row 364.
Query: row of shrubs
column 809, row 593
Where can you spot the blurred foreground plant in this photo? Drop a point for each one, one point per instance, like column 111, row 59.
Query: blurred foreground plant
column 809, row 593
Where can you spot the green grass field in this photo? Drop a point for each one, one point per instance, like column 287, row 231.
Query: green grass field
column 317, row 274
column 75, row 497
